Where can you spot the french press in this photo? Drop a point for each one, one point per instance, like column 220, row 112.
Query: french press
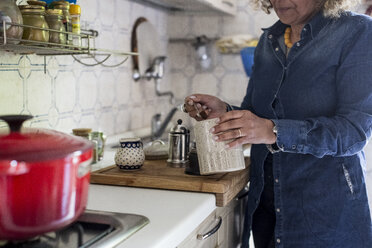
column 179, row 142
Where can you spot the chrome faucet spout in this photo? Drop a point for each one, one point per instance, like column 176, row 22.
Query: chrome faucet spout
column 156, row 69
column 164, row 93
column 158, row 128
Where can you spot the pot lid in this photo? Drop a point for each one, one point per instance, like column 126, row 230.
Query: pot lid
column 179, row 128
column 33, row 144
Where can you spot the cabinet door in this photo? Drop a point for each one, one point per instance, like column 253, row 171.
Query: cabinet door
column 230, row 233
column 192, row 240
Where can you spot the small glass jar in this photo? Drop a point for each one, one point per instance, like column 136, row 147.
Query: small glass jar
column 65, row 7
column 54, row 19
column 100, row 138
column 87, row 134
column 34, row 15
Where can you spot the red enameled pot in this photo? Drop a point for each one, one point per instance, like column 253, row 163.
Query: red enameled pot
column 44, row 179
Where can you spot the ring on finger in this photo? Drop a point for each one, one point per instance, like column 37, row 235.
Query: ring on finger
column 240, row 133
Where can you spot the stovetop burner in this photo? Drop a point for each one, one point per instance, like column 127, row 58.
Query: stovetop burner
column 94, row 229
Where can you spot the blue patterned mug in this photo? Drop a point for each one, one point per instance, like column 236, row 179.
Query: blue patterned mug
column 130, row 155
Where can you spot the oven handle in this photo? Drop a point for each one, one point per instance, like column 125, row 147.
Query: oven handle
column 243, row 193
column 212, row 231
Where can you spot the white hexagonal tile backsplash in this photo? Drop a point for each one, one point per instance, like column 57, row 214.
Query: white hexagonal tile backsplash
column 69, row 95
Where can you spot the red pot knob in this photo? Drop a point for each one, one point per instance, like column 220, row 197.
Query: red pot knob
column 15, row 121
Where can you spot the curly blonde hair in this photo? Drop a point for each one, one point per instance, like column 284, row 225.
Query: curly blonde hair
column 332, row 8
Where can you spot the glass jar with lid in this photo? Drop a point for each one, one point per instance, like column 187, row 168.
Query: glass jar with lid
column 54, row 19
column 87, row 134
column 34, row 15
column 100, row 138
column 65, row 7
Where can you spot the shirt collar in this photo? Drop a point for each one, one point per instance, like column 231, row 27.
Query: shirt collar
column 314, row 25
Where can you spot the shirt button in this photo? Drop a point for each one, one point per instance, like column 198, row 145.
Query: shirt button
column 305, row 29
column 277, row 180
column 277, row 49
column 278, row 210
column 298, row 44
column 278, row 241
column 270, row 36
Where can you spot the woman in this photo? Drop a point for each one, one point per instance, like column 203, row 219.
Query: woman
column 308, row 113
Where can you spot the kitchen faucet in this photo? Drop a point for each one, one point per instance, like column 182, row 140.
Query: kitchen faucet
column 158, row 128
column 156, row 72
column 156, row 69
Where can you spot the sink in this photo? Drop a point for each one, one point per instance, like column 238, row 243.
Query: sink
column 93, row 229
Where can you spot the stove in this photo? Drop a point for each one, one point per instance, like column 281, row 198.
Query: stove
column 93, row 229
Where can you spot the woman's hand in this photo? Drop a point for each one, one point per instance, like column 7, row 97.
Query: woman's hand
column 242, row 127
column 212, row 106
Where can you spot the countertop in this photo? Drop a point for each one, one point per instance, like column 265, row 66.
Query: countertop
column 172, row 214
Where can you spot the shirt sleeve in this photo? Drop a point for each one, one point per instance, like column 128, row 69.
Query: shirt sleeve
column 348, row 131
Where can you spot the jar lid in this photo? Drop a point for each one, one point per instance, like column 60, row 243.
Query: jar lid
column 61, row 6
column 22, row 7
column 36, row 2
column 75, row 9
column 60, row 2
column 37, row 9
column 34, row 144
column 81, row 131
column 57, row 12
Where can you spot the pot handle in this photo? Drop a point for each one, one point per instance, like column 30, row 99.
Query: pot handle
column 13, row 168
column 15, row 121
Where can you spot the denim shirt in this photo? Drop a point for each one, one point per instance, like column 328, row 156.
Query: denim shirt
column 320, row 99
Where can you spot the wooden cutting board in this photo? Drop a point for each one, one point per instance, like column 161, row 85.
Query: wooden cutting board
column 158, row 175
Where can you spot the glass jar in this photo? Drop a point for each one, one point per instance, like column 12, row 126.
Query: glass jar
column 54, row 20
column 87, row 134
column 100, row 138
column 9, row 12
column 65, row 7
column 34, row 15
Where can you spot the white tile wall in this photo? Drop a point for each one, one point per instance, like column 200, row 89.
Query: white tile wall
column 227, row 76
column 71, row 95
column 65, row 85
column 12, row 94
